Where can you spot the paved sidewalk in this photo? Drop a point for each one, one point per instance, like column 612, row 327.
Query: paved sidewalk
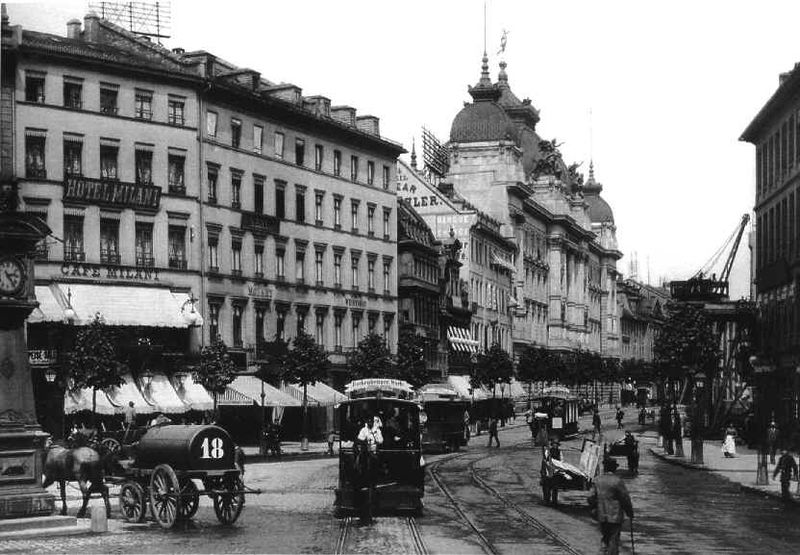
column 740, row 469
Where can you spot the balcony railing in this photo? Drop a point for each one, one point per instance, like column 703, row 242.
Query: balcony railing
column 108, row 109
column 174, row 119
column 74, row 254
column 145, row 261
column 109, row 257
column 35, row 173
column 178, row 263
column 177, row 189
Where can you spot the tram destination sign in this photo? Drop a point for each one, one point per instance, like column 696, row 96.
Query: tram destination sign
column 111, row 193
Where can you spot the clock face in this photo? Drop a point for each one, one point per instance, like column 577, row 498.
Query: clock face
column 12, row 276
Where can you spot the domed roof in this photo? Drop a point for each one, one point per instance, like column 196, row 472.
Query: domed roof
column 482, row 121
column 599, row 210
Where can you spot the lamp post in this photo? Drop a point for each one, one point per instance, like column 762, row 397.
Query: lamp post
column 761, row 369
column 262, row 442
column 698, row 423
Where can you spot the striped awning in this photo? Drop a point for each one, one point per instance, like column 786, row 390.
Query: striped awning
column 461, row 339
column 161, row 394
column 80, row 400
column 252, row 388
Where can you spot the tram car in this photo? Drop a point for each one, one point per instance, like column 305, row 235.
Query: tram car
column 561, row 408
column 445, row 428
column 393, row 479
column 164, row 467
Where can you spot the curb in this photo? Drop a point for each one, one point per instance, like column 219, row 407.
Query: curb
column 287, row 457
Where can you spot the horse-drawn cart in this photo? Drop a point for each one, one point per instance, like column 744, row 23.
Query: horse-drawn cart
column 627, row 447
column 164, row 466
column 558, row 475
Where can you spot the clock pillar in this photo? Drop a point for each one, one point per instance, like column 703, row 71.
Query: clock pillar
column 21, row 437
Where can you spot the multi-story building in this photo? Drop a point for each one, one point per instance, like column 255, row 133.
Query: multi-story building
column 641, row 310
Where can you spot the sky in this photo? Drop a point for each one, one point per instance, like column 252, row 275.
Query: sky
column 656, row 93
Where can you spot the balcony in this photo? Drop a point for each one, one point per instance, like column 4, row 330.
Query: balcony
column 175, row 119
column 177, row 189
column 145, row 261
column 74, row 254
column 108, row 109
column 73, row 103
column 177, row 263
column 144, row 114
column 109, row 257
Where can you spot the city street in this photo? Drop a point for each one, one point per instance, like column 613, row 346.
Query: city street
column 492, row 505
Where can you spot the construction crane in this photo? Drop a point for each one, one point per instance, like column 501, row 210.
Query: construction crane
column 701, row 287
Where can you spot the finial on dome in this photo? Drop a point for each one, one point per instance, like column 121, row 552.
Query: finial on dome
column 413, row 153
column 591, row 171
column 485, row 80
column 502, row 76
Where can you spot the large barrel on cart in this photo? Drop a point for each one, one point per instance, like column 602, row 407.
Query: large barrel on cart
column 164, row 467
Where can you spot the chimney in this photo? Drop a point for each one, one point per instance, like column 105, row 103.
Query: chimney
column 74, row 29
column 344, row 114
column 369, row 124
column 91, row 27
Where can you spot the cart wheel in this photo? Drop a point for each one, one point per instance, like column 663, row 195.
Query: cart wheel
column 111, row 445
column 132, row 502
column 165, row 501
column 190, row 498
column 228, row 506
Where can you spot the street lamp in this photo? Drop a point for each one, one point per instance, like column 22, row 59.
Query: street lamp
column 262, row 443
column 50, row 374
column 698, row 423
column 761, row 369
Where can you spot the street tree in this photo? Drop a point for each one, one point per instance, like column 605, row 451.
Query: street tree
column 533, row 366
column 371, row 359
column 411, row 357
column 93, row 364
column 273, row 354
column 216, row 368
column 493, row 367
column 305, row 364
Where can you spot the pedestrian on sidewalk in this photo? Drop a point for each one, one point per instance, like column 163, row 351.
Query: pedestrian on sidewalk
column 788, row 470
column 610, row 503
column 677, row 432
column 620, row 416
column 642, row 415
column 597, row 425
column 772, row 440
column 729, row 445
column 493, row 430
column 555, row 449
column 331, row 440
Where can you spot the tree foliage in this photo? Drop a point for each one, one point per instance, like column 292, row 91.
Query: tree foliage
column 534, row 364
column 216, row 368
column 411, row 357
column 371, row 359
column 687, row 341
column 492, row 367
column 92, row 363
column 274, row 354
column 306, row 363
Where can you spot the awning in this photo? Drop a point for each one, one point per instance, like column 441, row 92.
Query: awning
column 76, row 401
column 557, row 391
column 435, row 391
column 232, row 398
column 250, row 388
column 461, row 339
column 464, row 389
column 319, row 394
column 499, row 260
column 192, row 393
column 517, row 389
column 128, row 391
column 162, row 395
column 118, row 305
column 50, row 309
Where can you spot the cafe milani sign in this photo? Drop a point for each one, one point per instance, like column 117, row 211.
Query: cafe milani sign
column 88, row 190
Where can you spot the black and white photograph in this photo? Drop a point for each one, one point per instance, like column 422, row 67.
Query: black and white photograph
column 419, row 277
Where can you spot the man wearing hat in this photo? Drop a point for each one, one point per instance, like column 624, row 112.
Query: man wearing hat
column 555, row 449
column 610, row 502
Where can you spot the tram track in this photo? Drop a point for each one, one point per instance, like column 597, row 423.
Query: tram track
column 413, row 539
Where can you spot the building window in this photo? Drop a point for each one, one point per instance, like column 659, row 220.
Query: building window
column 236, row 189
column 211, row 124
column 176, row 245
column 213, row 325
column 213, row 174
column 300, row 267
column 237, row 326
column 319, row 153
column 337, row 212
column 260, row 315
column 144, row 245
column 72, row 95
column 143, row 107
column 258, row 194
column 213, row 254
column 236, row 132
column 387, row 329
column 34, row 157
column 278, row 144
column 108, row 162
column 175, row 111
column 353, row 168
column 175, row 174
column 371, row 219
column 280, row 325
column 108, row 101
column 371, row 275
column 144, row 167
column 109, row 241
column 337, row 163
column 386, row 217
column 354, row 213
column 318, row 207
column 385, row 177
column 370, row 172
column 73, row 239
column 280, row 264
column 280, row 194
column 319, row 329
column 300, row 205
column 337, row 329
column 73, row 156
column 236, row 257
column 354, row 267
column 387, row 266
column 34, row 89
column 258, row 139
column 355, row 319
column 301, row 323
column 337, row 269
column 259, row 260
column 318, row 258
column 299, row 151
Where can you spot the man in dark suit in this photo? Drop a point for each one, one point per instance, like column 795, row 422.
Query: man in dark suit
column 610, row 502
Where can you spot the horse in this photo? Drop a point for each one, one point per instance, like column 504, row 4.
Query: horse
column 83, row 465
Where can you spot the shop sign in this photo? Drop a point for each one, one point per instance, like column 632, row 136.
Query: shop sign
column 42, row 357
column 102, row 271
column 260, row 223
column 355, row 303
column 111, row 193
column 258, row 291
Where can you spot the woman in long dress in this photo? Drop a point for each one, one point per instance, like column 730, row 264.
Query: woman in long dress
column 729, row 445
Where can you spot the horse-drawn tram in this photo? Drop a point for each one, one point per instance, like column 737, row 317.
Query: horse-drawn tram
column 380, row 459
column 445, row 428
column 161, row 469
